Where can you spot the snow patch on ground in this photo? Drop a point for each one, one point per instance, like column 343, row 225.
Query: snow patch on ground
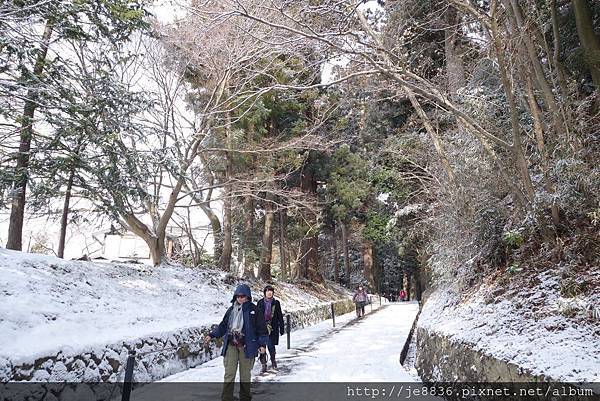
column 545, row 343
column 50, row 305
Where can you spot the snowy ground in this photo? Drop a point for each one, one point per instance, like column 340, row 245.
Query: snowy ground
column 364, row 350
column 368, row 349
column 49, row 305
column 539, row 340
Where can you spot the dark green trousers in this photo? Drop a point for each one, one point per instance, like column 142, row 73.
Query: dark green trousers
column 235, row 357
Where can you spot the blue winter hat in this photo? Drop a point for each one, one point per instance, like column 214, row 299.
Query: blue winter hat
column 242, row 289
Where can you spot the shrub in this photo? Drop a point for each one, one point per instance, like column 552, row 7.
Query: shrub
column 513, row 239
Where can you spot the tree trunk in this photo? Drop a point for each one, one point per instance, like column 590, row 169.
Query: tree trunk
column 456, row 81
column 420, row 277
column 283, row 257
column 345, row 253
column 556, row 58
column 417, row 283
column 156, row 244
column 246, row 255
column 435, row 138
column 310, row 259
column 454, row 67
column 225, row 260
column 195, row 251
column 157, row 249
column 539, row 136
column 217, row 233
column 516, row 148
column 65, row 213
column 556, row 112
column 17, row 211
column 264, row 272
column 367, row 251
column 204, row 204
column 589, row 41
column 294, row 269
column 336, row 256
column 310, row 244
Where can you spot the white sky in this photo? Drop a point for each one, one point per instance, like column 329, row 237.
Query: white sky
column 168, row 11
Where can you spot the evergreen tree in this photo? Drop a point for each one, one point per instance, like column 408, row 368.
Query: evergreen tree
column 36, row 71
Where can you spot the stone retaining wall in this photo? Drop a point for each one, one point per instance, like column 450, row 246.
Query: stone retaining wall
column 440, row 359
column 157, row 356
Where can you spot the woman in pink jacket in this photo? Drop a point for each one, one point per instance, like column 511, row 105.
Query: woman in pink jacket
column 360, row 299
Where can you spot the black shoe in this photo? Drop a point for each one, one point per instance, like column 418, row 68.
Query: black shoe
column 263, row 362
column 273, row 361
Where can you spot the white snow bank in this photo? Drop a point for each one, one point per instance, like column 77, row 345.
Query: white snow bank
column 546, row 344
column 49, row 305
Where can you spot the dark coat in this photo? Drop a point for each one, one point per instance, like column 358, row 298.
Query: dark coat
column 254, row 328
column 276, row 319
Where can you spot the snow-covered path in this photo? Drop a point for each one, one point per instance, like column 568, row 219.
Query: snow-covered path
column 355, row 350
column 365, row 350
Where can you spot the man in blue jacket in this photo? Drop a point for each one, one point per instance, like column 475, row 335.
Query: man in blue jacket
column 244, row 334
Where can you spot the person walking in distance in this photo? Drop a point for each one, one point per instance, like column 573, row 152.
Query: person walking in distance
column 360, row 299
column 270, row 308
column 244, row 335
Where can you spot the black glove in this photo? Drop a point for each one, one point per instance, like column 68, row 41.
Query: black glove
column 281, row 331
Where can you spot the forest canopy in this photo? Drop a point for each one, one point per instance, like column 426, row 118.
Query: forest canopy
column 398, row 144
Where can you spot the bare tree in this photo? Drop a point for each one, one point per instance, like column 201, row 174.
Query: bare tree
column 247, row 60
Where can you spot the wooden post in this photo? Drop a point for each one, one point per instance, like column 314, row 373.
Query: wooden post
column 128, row 382
column 289, row 329
column 333, row 314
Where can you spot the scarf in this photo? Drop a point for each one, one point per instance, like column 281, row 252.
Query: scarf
column 268, row 305
column 236, row 318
